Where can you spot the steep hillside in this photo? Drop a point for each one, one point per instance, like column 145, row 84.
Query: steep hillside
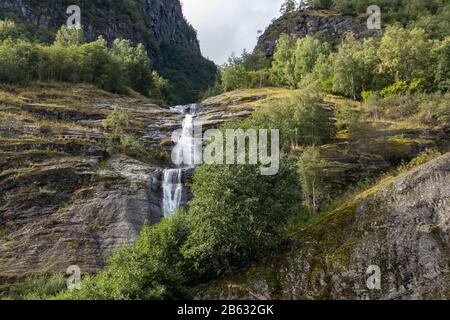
column 68, row 196
column 401, row 226
column 158, row 24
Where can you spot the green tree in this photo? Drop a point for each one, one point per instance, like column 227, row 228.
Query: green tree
column 323, row 72
column 101, row 68
column 442, row 68
column 288, row 6
column 67, row 37
column 16, row 60
column 9, row 30
column 136, row 65
column 232, row 215
column 307, row 51
column 311, row 170
column 283, row 65
column 405, row 54
column 234, row 74
column 355, row 66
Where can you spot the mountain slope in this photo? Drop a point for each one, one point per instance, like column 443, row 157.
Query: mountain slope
column 158, row 24
column 402, row 225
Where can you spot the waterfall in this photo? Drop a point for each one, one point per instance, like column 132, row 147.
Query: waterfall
column 172, row 189
column 183, row 153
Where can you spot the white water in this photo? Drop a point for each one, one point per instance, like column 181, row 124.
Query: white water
column 173, row 190
column 183, row 154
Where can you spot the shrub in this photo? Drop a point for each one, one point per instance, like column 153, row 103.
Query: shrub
column 117, row 122
column 16, row 57
column 311, row 170
column 232, row 215
column 302, row 120
column 38, row 287
column 402, row 106
column 435, row 109
column 401, row 87
column 151, row 268
column 421, row 159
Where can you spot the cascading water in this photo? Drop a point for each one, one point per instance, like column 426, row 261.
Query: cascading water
column 184, row 153
column 172, row 189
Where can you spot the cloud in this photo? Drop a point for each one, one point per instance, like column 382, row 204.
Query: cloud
column 227, row 26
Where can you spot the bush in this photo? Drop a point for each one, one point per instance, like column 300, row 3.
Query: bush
column 16, row 61
column 311, row 170
column 151, row 268
column 38, row 287
column 435, row 109
column 302, row 120
column 347, row 116
column 402, row 106
column 232, row 215
column 401, row 87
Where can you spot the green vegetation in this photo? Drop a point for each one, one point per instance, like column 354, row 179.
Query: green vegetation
column 402, row 60
column 151, row 268
column 188, row 72
column 233, row 213
column 116, row 69
column 302, row 120
column 237, row 215
column 70, row 59
column 247, row 71
column 215, row 236
column 38, row 288
column 311, row 169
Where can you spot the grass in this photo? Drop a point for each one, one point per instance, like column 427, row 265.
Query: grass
column 249, row 99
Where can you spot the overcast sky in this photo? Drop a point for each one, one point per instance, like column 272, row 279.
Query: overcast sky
column 226, row 26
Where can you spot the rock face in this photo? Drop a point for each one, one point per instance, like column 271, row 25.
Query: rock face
column 64, row 198
column 300, row 24
column 402, row 226
column 162, row 20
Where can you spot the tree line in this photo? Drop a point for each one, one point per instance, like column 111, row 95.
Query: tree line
column 402, row 59
column 117, row 68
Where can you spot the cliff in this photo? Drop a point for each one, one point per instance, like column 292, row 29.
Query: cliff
column 158, row 24
column 401, row 226
column 326, row 24
column 67, row 198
